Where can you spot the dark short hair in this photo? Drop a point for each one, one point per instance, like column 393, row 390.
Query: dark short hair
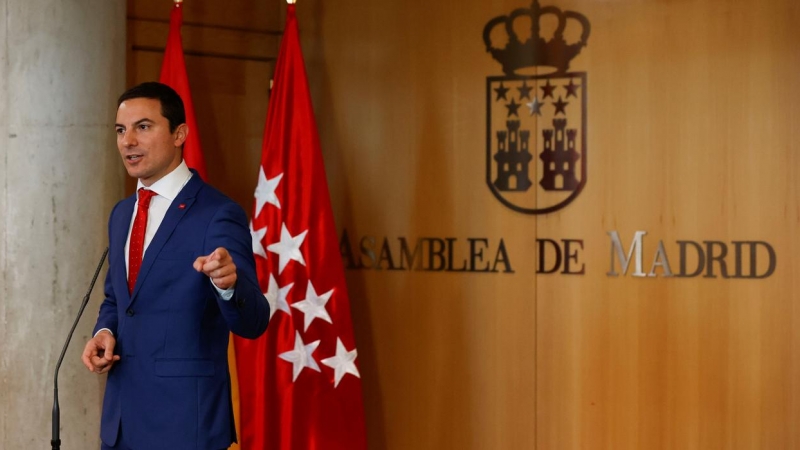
column 171, row 103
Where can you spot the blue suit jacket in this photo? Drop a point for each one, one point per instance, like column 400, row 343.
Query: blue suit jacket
column 171, row 387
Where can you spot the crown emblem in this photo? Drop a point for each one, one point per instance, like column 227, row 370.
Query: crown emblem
column 536, row 51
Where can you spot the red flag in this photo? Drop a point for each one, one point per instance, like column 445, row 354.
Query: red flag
column 173, row 74
column 299, row 383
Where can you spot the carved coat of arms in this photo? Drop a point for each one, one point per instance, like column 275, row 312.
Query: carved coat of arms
column 536, row 111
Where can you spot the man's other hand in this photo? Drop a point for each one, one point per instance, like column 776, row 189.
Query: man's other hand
column 98, row 355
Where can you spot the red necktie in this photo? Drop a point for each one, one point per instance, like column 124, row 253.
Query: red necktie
column 136, row 248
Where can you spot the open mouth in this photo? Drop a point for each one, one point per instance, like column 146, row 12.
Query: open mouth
column 133, row 158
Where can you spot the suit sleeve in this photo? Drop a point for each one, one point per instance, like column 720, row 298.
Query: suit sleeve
column 247, row 312
column 107, row 318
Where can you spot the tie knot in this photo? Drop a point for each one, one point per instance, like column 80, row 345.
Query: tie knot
column 144, row 197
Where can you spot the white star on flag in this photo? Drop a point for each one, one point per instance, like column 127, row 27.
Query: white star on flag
column 313, row 306
column 257, row 236
column 276, row 296
column 265, row 191
column 301, row 356
column 288, row 248
column 344, row 362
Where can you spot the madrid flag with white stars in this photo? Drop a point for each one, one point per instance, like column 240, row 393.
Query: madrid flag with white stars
column 299, row 383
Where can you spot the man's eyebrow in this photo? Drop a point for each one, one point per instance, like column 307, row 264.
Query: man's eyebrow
column 140, row 121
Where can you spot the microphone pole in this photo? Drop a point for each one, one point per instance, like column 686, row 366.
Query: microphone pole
column 56, row 441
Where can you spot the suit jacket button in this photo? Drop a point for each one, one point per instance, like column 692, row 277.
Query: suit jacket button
column 129, row 312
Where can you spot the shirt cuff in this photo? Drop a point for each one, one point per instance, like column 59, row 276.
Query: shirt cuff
column 103, row 329
column 225, row 294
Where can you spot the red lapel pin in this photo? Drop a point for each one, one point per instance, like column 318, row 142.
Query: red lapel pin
column 182, row 206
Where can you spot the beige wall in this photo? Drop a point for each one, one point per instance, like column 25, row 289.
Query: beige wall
column 689, row 126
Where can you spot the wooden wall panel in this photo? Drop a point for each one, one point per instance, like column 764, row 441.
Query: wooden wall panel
column 691, row 112
column 696, row 143
column 242, row 15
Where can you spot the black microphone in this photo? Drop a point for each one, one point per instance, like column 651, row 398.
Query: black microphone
column 56, row 441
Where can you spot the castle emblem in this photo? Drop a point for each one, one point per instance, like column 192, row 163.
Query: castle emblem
column 536, row 111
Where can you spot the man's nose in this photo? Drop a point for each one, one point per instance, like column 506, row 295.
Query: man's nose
column 128, row 138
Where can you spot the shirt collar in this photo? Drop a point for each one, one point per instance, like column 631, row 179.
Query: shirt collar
column 171, row 184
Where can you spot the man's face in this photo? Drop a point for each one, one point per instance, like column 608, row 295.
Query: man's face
column 148, row 149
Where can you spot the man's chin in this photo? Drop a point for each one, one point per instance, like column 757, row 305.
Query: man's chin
column 135, row 173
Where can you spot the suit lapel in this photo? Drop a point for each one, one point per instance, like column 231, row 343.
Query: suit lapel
column 175, row 213
column 121, row 224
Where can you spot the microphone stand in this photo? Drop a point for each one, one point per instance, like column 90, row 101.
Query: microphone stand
column 56, row 441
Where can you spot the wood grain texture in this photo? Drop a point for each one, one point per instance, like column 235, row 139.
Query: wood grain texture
column 691, row 112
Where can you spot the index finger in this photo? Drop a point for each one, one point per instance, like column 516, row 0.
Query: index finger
column 86, row 357
column 199, row 263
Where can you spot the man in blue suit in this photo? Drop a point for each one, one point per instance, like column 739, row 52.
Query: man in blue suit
column 181, row 276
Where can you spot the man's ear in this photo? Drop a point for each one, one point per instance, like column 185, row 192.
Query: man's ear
column 180, row 134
